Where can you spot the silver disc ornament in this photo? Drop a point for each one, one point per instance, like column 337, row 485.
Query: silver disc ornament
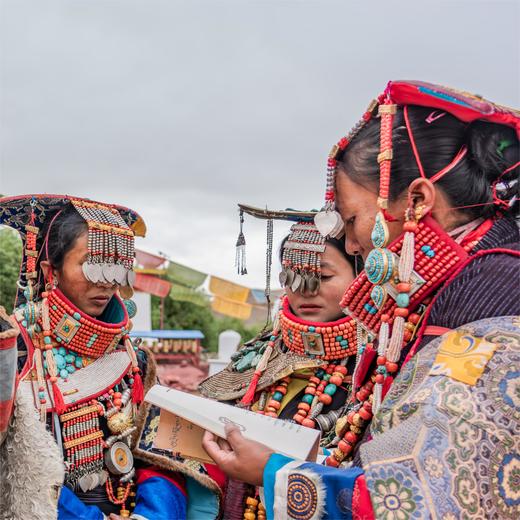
column 119, row 459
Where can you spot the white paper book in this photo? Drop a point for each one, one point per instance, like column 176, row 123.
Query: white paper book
column 184, row 417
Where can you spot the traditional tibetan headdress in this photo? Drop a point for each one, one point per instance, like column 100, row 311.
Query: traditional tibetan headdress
column 462, row 105
column 111, row 232
column 302, row 250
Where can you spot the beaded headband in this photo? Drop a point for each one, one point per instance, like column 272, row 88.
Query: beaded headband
column 111, row 231
column 302, row 250
column 110, row 244
column 464, row 106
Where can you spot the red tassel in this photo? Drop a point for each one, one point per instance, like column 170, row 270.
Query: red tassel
column 59, row 403
column 137, row 389
column 364, row 364
column 388, row 217
column 249, row 396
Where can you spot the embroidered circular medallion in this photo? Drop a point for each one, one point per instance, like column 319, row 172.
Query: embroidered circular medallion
column 302, row 497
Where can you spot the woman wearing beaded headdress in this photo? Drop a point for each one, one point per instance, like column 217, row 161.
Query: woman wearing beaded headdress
column 427, row 188
column 302, row 369
column 82, row 372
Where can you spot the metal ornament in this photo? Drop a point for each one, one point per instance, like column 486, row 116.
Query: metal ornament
column 296, row 282
column 329, row 224
column 119, row 459
column 313, row 343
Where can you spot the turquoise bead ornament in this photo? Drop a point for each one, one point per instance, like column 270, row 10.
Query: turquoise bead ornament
column 380, row 235
column 378, row 295
column 59, row 360
column 379, row 266
column 131, row 308
column 403, row 300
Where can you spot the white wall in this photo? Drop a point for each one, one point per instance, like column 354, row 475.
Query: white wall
column 143, row 318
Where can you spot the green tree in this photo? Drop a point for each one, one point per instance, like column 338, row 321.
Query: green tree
column 10, row 258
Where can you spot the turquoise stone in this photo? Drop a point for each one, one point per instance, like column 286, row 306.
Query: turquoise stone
column 76, row 316
column 70, row 369
column 312, row 329
column 307, row 398
column 62, row 351
column 54, row 351
column 58, row 339
column 339, row 338
column 272, row 338
column 41, row 395
column 47, row 340
column 330, row 389
column 369, row 308
column 344, row 343
column 69, row 358
column 402, row 300
column 24, row 323
column 54, row 308
column 319, row 373
column 326, row 377
column 379, row 235
column 379, row 266
column 64, row 373
column 278, row 396
column 59, row 360
column 78, row 362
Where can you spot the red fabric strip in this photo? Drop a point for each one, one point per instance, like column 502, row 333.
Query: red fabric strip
column 361, row 503
column 433, row 330
column 174, row 478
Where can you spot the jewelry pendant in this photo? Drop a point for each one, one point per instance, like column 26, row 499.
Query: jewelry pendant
column 378, row 295
column 380, row 234
column 379, row 266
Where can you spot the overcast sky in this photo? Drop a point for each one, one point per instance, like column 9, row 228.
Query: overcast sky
column 182, row 109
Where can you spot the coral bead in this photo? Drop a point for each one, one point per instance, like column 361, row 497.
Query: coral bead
column 403, row 287
column 304, row 406
column 335, row 380
column 381, row 360
column 410, row 226
column 398, row 311
column 391, row 367
column 345, row 447
column 365, row 414
column 274, row 404
column 351, row 437
column 326, row 399
column 308, row 423
column 380, row 378
column 331, row 461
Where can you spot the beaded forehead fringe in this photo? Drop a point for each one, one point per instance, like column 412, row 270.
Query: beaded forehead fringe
column 301, row 258
column 110, row 245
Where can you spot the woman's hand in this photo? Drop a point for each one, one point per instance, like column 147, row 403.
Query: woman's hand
column 239, row 458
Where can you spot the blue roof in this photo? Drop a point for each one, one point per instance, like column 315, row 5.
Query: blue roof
column 167, row 334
